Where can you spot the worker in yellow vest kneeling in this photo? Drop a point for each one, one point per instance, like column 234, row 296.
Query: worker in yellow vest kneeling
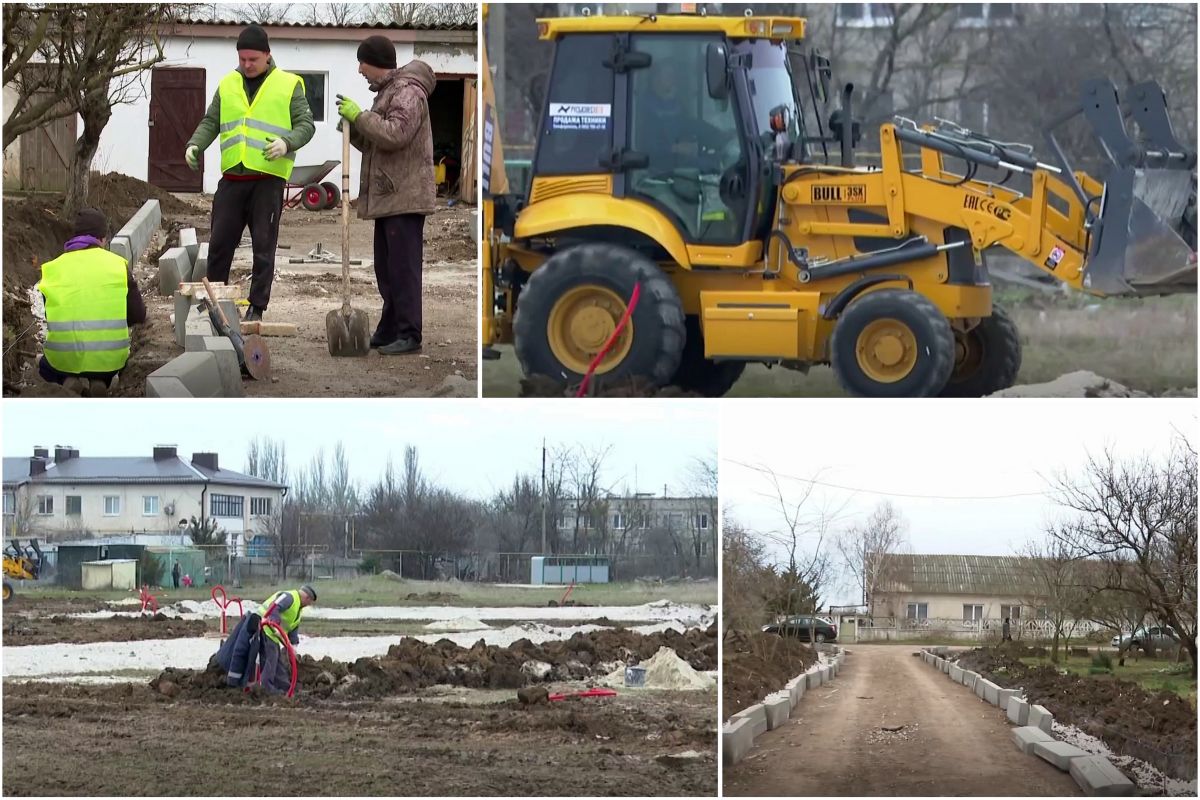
column 283, row 609
column 91, row 300
column 262, row 117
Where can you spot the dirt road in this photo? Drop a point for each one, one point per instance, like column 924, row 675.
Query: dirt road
column 129, row 740
column 951, row 744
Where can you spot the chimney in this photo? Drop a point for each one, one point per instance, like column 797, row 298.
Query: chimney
column 62, row 454
column 205, row 461
column 37, row 466
column 41, row 452
column 164, row 452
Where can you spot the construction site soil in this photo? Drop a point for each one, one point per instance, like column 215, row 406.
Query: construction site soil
column 302, row 294
column 1156, row 727
column 365, row 729
column 22, row 630
column 753, row 665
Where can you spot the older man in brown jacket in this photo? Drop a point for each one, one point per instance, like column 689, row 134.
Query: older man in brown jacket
column 396, row 185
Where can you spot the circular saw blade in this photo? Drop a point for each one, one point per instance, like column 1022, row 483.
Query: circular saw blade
column 258, row 357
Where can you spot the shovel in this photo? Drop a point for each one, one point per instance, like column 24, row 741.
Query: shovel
column 347, row 330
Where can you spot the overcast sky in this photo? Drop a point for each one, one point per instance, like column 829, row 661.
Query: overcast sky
column 941, row 451
column 466, row 445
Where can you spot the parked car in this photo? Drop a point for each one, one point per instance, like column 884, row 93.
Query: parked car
column 822, row 629
column 1159, row 636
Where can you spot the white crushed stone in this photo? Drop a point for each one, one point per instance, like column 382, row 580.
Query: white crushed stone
column 536, row 669
column 458, row 624
column 665, row 670
column 1146, row 776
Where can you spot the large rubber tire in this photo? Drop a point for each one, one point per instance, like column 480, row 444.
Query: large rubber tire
column 701, row 375
column 926, row 359
column 333, row 195
column 313, row 197
column 8, row 591
column 987, row 357
column 652, row 353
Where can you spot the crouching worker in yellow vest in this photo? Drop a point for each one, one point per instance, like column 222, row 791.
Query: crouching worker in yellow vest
column 262, row 118
column 282, row 608
column 91, row 300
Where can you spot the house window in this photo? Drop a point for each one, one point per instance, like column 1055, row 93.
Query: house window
column 149, row 505
column 917, row 611
column 45, row 505
column 260, row 506
column 314, row 92
column 972, row 614
column 1011, row 613
column 702, row 521
column 864, row 15
column 618, row 522
column 704, row 547
column 112, row 505
column 226, row 505
column 10, row 503
column 979, row 14
column 74, row 505
column 1043, row 613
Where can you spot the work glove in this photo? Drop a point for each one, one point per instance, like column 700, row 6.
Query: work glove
column 276, row 148
column 348, row 109
column 192, row 157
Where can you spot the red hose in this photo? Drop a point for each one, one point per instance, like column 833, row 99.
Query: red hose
column 587, row 377
column 287, row 645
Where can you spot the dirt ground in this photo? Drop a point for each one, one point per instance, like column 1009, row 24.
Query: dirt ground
column 950, row 742
column 302, row 294
column 20, row 630
column 1157, row 727
column 130, row 740
column 753, row 665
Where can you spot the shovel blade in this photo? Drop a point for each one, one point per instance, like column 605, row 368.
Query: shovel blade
column 348, row 333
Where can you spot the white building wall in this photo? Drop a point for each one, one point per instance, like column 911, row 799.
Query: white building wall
column 92, row 519
column 125, row 143
column 946, row 606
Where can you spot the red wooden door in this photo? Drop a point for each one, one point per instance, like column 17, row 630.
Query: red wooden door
column 177, row 103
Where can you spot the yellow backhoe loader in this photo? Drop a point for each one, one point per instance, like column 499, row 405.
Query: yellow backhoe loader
column 687, row 155
column 21, row 565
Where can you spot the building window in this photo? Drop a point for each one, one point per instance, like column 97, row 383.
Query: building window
column 618, row 522
column 972, row 614
column 1011, row 613
column 10, row 503
column 917, row 611
column 45, row 505
column 314, row 92
column 979, row 14
column 1043, row 613
column 112, row 505
column 702, row 521
column 226, row 505
column 74, row 505
column 864, row 15
column 704, row 547
column 260, row 506
column 149, row 505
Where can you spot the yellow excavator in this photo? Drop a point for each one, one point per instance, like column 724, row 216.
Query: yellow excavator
column 21, row 564
column 686, row 157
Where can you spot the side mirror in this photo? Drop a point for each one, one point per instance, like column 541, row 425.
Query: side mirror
column 716, row 70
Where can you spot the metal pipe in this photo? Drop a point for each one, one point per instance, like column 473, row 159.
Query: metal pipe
column 877, row 260
column 847, row 126
column 956, row 149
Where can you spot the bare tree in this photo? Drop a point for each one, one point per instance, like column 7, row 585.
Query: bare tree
column 745, row 577
column 1056, row 590
column 282, row 528
column 868, row 550
column 1139, row 516
column 264, row 13
column 339, row 14
column 424, row 13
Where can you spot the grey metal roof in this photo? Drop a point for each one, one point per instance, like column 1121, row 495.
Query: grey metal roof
column 16, row 471
column 390, row 26
column 946, row 574
column 127, row 470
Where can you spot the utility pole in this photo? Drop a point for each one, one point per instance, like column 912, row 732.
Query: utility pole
column 543, row 497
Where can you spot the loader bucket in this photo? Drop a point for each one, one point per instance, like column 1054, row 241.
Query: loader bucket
column 1137, row 247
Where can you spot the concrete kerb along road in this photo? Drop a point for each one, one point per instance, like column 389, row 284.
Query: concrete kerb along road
column 743, row 728
column 1033, row 735
column 194, row 374
column 200, row 263
column 189, row 242
column 132, row 239
column 174, row 267
column 227, row 364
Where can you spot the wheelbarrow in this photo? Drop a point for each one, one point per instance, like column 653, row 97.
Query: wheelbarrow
column 307, row 188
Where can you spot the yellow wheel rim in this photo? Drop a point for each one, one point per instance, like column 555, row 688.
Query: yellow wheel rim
column 581, row 321
column 7, row 591
column 886, row 350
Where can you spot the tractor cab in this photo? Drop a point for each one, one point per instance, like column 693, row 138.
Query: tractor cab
column 688, row 114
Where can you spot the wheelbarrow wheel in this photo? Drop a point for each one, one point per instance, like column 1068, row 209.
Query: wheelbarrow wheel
column 333, row 194
column 314, row 198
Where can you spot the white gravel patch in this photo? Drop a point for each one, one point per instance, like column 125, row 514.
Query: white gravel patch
column 99, row 659
column 1146, row 776
column 460, row 624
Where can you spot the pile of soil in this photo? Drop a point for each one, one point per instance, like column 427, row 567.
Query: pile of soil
column 753, row 665
column 58, row 628
column 412, row 665
column 1157, row 727
column 451, row 236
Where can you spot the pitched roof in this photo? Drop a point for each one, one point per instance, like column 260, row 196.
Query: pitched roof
column 390, row 26
column 948, row 574
column 110, row 470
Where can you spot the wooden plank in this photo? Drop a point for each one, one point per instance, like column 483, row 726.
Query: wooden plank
column 222, row 291
column 270, row 329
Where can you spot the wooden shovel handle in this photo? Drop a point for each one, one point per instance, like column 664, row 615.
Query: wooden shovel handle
column 346, row 211
column 216, row 306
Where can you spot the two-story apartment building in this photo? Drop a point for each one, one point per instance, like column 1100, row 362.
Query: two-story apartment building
column 66, row 496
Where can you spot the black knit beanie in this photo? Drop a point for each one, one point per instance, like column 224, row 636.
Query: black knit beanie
column 378, row 51
column 91, row 222
column 253, row 37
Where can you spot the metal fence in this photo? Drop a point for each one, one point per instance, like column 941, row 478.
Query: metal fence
column 516, row 567
column 901, row 628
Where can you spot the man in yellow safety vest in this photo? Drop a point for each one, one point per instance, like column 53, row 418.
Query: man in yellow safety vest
column 262, row 117
column 283, row 609
column 91, row 300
